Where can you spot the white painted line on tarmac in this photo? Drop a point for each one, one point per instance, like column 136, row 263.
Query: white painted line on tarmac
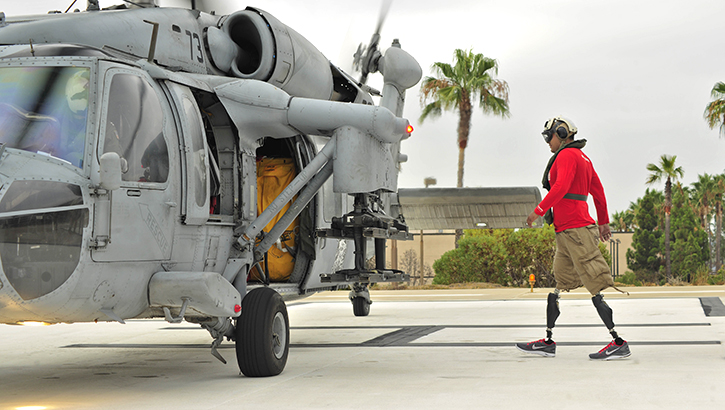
column 652, row 292
column 684, row 291
column 417, row 295
column 432, row 295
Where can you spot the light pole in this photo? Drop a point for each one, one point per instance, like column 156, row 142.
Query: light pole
column 614, row 253
column 618, row 242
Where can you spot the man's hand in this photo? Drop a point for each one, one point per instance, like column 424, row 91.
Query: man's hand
column 532, row 217
column 605, row 233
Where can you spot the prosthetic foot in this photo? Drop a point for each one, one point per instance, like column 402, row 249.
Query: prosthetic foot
column 618, row 348
column 545, row 347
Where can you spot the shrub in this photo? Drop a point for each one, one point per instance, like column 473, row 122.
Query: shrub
column 629, row 278
column 718, row 279
column 505, row 257
column 701, row 276
column 477, row 259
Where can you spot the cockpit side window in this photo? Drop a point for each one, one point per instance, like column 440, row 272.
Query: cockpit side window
column 45, row 110
column 134, row 129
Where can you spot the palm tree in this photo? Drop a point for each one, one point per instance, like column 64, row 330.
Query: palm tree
column 622, row 221
column 457, row 87
column 666, row 170
column 715, row 110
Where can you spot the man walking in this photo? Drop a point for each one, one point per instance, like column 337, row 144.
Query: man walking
column 570, row 178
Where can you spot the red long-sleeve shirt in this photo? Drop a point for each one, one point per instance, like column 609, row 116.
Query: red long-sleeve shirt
column 573, row 173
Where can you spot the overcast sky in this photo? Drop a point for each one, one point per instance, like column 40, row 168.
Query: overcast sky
column 633, row 75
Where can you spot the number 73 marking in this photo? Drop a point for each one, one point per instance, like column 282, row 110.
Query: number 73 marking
column 194, row 38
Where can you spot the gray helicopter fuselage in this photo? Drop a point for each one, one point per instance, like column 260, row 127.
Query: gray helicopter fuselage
column 95, row 251
column 179, row 103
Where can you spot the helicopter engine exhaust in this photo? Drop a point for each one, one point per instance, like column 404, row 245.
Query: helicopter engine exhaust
column 252, row 44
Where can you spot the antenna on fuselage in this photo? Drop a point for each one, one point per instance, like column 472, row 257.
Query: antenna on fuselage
column 71, row 5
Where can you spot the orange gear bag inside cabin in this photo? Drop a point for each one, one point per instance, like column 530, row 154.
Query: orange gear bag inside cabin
column 273, row 176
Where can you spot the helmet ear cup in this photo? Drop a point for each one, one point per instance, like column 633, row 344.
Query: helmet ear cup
column 562, row 132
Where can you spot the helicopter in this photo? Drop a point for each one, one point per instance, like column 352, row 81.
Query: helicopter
column 171, row 163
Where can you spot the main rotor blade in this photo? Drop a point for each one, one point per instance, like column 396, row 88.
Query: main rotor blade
column 384, row 9
column 374, row 41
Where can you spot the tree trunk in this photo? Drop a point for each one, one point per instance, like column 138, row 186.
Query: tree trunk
column 718, row 233
column 668, row 267
column 705, row 220
column 461, row 162
column 668, row 208
column 464, row 128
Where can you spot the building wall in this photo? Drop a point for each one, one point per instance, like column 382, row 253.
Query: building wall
column 435, row 244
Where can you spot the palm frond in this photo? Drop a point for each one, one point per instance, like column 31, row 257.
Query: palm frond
column 653, row 179
column 665, row 170
column 715, row 111
column 715, row 115
column 718, row 91
column 444, row 70
column 491, row 104
column 654, row 168
column 431, row 110
column 431, row 86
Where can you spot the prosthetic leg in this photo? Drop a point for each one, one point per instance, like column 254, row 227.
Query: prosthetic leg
column 552, row 313
column 605, row 312
column 545, row 347
column 617, row 348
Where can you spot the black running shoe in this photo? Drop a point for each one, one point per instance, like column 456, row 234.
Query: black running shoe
column 539, row 347
column 612, row 351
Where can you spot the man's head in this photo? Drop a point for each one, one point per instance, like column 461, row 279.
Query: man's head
column 558, row 131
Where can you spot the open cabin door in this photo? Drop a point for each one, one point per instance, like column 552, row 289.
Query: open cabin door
column 195, row 157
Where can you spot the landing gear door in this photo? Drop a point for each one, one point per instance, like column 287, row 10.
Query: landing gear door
column 195, row 156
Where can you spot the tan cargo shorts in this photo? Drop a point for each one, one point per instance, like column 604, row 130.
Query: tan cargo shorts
column 578, row 261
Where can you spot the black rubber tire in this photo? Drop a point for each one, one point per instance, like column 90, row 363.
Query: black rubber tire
column 262, row 334
column 360, row 306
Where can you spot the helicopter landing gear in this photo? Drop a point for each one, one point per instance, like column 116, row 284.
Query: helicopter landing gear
column 262, row 334
column 366, row 221
column 360, row 298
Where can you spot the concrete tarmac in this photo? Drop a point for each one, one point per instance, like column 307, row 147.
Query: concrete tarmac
column 442, row 349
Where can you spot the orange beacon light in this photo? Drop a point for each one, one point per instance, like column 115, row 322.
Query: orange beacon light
column 532, row 280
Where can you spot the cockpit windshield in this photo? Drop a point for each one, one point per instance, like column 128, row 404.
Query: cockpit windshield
column 45, row 110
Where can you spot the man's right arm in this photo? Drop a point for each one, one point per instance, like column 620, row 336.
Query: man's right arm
column 564, row 167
